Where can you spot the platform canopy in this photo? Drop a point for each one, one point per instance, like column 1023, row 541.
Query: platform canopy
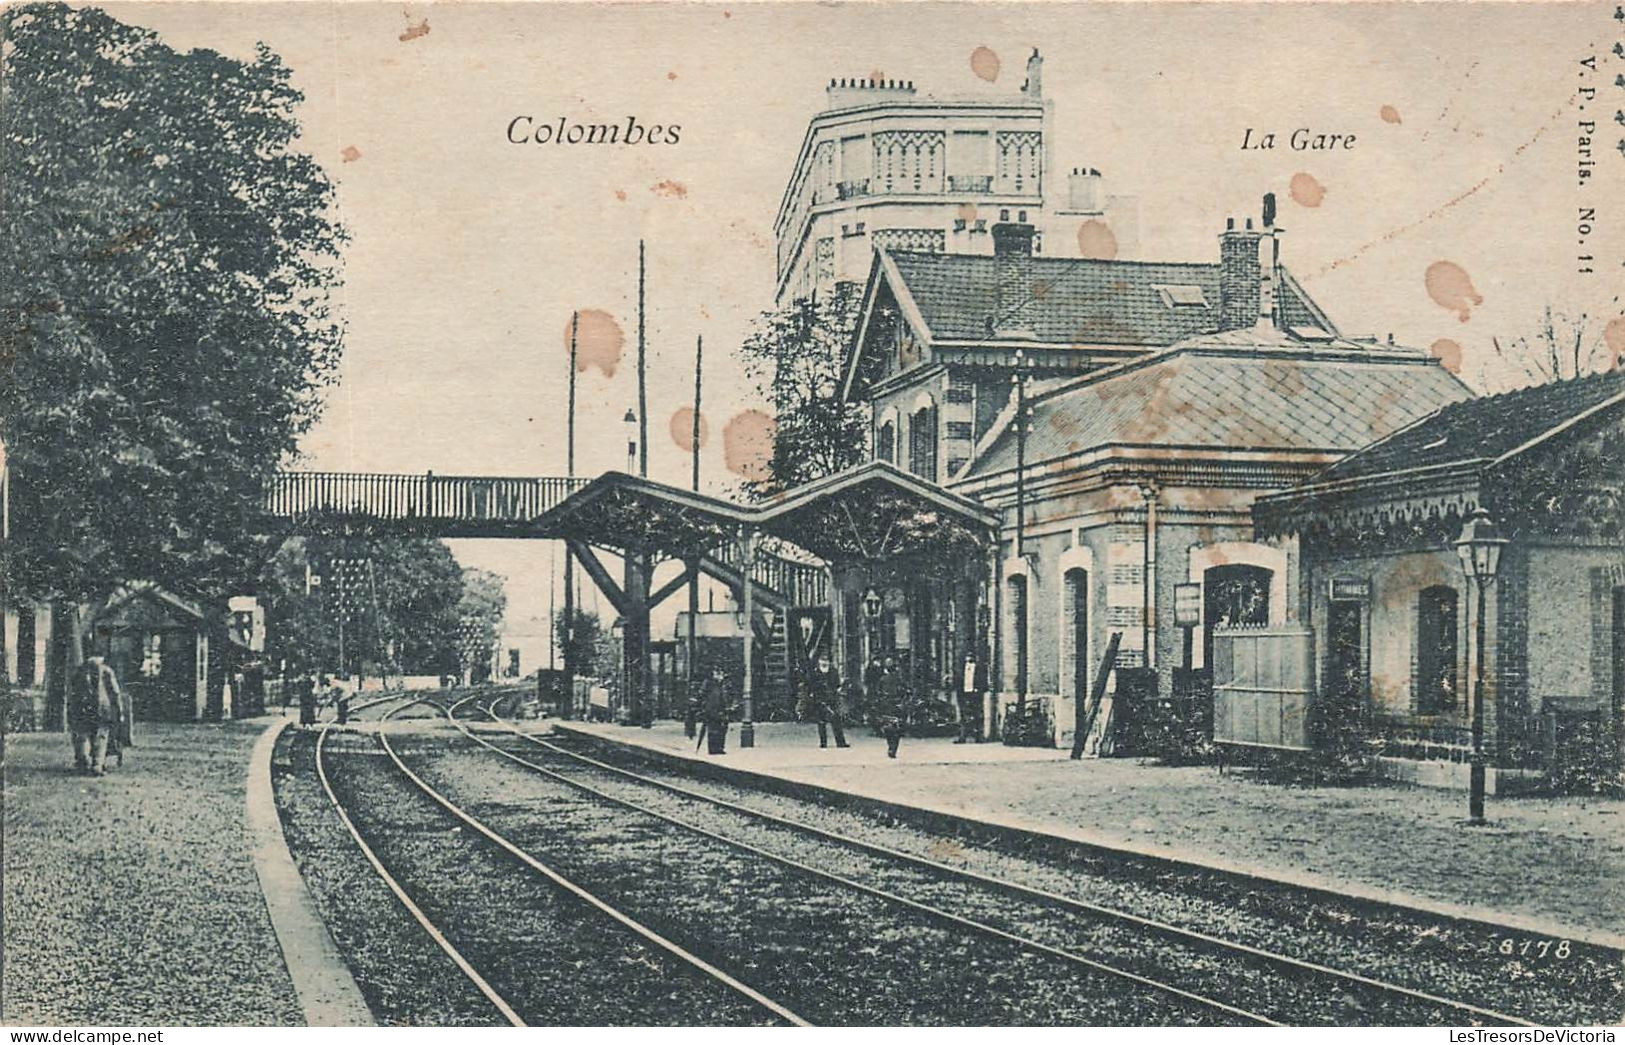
column 628, row 513
column 869, row 513
column 877, row 512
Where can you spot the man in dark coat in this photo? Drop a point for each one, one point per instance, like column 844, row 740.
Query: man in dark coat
column 714, row 707
column 891, row 701
column 95, row 713
column 821, row 700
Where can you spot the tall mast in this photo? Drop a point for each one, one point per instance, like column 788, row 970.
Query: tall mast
column 643, row 390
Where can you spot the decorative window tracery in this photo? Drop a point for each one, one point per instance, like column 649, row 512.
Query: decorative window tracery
column 924, row 241
column 909, row 161
column 1020, row 161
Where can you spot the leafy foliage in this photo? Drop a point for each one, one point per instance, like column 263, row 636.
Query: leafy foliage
column 796, row 356
column 404, row 611
column 167, row 268
column 479, row 613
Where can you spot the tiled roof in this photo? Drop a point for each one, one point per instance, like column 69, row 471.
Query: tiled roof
column 1480, row 429
column 1073, row 301
column 1227, row 397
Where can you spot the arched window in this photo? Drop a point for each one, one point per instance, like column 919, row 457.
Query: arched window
column 1017, row 597
column 1075, row 629
column 922, row 443
column 1233, row 594
column 886, row 443
column 1437, row 646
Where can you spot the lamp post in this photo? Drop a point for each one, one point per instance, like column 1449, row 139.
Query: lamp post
column 871, row 617
column 1479, row 548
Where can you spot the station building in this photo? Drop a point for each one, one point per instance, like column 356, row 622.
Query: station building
column 1119, row 419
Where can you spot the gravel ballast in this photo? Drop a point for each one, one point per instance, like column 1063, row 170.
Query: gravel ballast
column 1580, row 984
column 132, row 899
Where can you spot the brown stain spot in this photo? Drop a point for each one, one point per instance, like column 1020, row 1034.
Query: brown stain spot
column 1613, row 335
column 671, row 190
column 984, row 63
column 620, row 194
column 1041, row 289
column 945, row 849
column 1448, row 353
column 1095, row 240
column 350, row 154
column 671, row 76
column 599, row 341
column 682, row 429
column 967, row 212
column 877, row 75
column 1305, row 190
column 1390, row 114
column 747, row 444
column 727, row 14
column 1450, row 287
column 415, row 31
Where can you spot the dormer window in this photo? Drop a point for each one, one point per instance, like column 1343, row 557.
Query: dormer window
column 1180, row 295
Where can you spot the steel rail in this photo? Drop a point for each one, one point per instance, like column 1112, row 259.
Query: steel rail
column 559, row 880
column 935, row 913
column 412, row 908
column 1113, row 913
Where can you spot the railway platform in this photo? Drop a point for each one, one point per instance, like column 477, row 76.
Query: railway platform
column 134, row 898
column 1545, row 866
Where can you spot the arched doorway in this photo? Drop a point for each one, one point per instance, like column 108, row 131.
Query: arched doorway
column 1233, row 594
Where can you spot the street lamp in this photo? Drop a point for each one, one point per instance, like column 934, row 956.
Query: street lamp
column 631, row 420
column 1479, row 548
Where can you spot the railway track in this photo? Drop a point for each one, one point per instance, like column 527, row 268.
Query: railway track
column 1230, row 979
column 441, row 908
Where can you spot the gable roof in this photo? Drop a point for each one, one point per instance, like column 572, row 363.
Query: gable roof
column 1076, row 301
column 1260, row 390
column 1481, row 431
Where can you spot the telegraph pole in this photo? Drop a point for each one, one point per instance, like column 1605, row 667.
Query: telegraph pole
column 1021, row 521
column 568, row 697
column 693, row 563
column 643, row 388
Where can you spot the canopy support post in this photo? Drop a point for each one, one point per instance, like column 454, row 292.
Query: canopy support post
column 747, row 556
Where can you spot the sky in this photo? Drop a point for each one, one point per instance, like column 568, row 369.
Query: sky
column 469, row 253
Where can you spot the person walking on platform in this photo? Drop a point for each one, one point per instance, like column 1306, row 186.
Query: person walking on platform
column 891, row 700
column 714, row 707
column 970, row 702
column 821, row 700
column 95, row 713
column 307, row 699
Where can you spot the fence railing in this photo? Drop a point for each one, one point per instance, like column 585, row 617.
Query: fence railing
column 797, row 583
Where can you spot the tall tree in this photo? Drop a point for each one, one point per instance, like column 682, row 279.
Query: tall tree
column 397, row 597
column 1562, row 343
column 796, row 355
column 167, row 272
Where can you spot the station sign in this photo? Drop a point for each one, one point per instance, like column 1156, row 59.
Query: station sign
column 1187, row 605
column 1350, row 589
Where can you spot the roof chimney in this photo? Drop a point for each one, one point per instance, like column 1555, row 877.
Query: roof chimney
column 1239, row 287
column 1034, row 87
column 1012, row 254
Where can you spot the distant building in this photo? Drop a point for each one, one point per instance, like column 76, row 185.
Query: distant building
column 886, row 167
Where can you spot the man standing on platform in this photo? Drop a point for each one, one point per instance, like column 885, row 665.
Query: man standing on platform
column 95, row 713
column 822, row 699
column 970, row 702
column 891, row 704
column 714, row 706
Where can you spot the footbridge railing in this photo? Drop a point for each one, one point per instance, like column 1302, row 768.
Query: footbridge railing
column 450, row 504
